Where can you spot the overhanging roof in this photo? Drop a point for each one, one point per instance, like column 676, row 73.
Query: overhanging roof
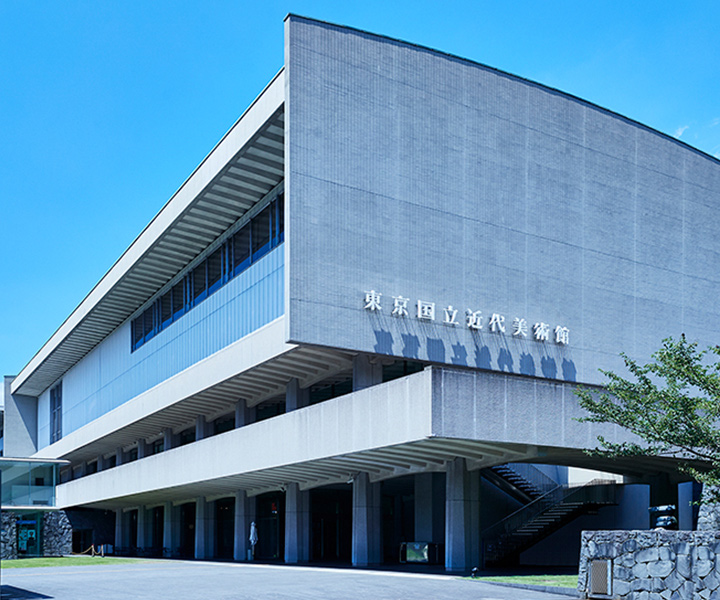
column 244, row 166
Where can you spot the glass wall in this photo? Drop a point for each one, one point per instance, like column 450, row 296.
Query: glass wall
column 27, row 483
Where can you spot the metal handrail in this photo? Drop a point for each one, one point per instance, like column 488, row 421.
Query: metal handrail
column 534, row 476
column 597, row 490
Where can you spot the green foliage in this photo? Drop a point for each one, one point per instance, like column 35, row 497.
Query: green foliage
column 672, row 404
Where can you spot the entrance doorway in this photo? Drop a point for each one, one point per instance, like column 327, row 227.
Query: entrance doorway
column 187, row 530
column 270, row 511
column 225, row 527
column 331, row 524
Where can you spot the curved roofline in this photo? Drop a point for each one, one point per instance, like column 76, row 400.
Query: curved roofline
column 507, row 74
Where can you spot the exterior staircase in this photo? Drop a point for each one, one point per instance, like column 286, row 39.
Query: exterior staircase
column 549, row 507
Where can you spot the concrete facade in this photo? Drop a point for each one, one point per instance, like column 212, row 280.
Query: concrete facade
column 419, row 315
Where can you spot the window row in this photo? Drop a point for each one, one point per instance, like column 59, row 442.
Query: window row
column 261, row 234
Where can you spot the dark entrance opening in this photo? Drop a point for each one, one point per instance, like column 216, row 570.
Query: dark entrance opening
column 398, row 516
column 156, row 533
column 81, row 540
column 331, row 524
column 224, row 527
column 187, row 530
column 270, row 516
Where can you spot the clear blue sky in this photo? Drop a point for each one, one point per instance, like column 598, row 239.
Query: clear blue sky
column 106, row 107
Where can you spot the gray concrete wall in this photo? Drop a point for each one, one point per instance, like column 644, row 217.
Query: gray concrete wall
column 20, row 425
column 414, row 173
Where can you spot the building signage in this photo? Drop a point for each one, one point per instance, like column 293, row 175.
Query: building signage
column 471, row 319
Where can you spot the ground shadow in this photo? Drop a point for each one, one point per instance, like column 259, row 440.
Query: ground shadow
column 9, row 592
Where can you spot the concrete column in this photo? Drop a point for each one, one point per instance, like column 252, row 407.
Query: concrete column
column 119, row 541
column 143, row 449
column 365, row 374
column 429, row 508
column 423, row 508
column 295, row 396
column 297, row 524
column 142, row 527
column 168, row 537
column 244, row 415
column 167, row 439
column 367, row 522
column 462, row 517
column 244, row 515
column 201, row 526
column 118, row 457
column 200, row 427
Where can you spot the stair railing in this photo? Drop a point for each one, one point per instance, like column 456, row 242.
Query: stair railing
column 534, row 476
column 597, row 491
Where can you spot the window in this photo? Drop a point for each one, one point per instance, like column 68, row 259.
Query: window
column 261, row 233
column 215, row 270
column 178, row 299
column 241, row 250
column 199, row 282
column 157, row 446
column 247, row 245
column 56, row 413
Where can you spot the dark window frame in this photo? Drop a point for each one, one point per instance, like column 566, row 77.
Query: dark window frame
column 154, row 318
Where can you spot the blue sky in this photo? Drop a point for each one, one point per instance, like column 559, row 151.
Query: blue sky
column 106, row 107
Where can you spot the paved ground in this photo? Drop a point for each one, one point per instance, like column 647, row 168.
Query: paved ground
column 180, row 580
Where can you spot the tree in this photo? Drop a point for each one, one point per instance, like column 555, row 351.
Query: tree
column 671, row 403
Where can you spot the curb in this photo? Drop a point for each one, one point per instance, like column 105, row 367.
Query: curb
column 549, row 589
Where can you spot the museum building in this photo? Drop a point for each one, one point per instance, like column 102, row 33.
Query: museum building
column 360, row 322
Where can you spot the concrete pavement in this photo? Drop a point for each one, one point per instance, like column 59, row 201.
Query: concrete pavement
column 186, row 580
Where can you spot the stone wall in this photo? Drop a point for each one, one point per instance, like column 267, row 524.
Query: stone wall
column 8, row 536
column 57, row 534
column 655, row 565
column 709, row 514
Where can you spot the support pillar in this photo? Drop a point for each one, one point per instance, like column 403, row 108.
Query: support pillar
column 297, row 524
column 201, row 527
column 462, row 517
column 367, row 522
column 167, row 439
column 168, row 541
column 119, row 541
column 244, row 515
column 118, row 457
column 142, row 527
column 244, row 415
column 200, row 427
column 429, row 508
column 142, row 449
column 295, row 396
column 365, row 373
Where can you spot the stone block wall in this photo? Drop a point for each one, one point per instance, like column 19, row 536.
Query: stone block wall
column 655, row 565
column 8, row 536
column 57, row 534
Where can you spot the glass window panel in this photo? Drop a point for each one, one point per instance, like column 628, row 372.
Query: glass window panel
column 214, row 263
column 241, row 249
column 166, row 308
column 261, row 232
column 199, row 282
column 281, row 218
column 178, row 298
column 148, row 322
column 137, row 331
